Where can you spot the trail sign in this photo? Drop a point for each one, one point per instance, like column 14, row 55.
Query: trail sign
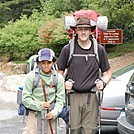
column 112, row 36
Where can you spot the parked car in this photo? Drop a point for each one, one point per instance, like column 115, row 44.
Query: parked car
column 114, row 96
column 126, row 118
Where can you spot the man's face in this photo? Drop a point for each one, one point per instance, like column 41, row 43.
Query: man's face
column 83, row 33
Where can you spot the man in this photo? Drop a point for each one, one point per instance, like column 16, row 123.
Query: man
column 84, row 74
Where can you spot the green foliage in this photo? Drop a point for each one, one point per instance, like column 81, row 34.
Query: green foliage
column 57, row 7
column 24, row 37
column 19, row 40
column 121, row 16
column 53, row 34
column 12, row 9
column 126, row 47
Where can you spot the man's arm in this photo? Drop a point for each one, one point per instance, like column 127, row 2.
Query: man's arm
column 61, row 72
column 107, row 76
column 101, row 83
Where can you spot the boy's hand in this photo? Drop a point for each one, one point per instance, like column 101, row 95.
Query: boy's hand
column 45, row 105
column 49, row 116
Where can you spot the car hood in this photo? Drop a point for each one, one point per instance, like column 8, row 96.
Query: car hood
column 114, row 93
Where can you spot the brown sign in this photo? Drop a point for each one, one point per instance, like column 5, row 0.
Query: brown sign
column 111, row 36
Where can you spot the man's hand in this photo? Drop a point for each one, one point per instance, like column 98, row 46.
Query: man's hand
column 68, row 85
column 100, row 84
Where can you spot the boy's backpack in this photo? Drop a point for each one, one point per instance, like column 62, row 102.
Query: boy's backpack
column 32, row 65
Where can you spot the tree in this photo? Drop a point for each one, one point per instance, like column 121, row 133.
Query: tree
column 57, row 7
column 121, row 16
column 19, row 39
column 12, row 9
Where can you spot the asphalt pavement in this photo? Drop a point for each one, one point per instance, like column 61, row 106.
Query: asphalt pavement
column 12, row 123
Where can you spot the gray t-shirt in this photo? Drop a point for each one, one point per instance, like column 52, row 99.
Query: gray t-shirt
column 83, row 70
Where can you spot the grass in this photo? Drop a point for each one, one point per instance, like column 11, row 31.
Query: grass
column 124, row 48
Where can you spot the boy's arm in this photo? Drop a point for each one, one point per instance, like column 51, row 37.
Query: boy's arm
column 60, row 96
column 27, row 98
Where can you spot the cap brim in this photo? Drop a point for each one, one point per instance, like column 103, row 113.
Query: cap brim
column 92, row 27
column 44, row 58
column 47, row 58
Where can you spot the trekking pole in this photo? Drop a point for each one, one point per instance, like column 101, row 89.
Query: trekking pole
column 69, row 112
column 69, row 123
column 39, row 123
column 49, row 121
column 99, row 98
column 99, row 104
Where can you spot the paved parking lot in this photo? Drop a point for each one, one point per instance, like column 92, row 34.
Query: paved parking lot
column 10, row 121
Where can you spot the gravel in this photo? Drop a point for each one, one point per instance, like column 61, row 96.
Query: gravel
column 12, row 82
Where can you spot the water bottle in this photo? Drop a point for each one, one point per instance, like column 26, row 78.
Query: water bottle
column 19, row 95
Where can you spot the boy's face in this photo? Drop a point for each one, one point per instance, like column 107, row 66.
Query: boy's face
column 46, row 66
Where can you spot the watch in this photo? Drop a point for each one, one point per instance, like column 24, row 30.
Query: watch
column 104, row 84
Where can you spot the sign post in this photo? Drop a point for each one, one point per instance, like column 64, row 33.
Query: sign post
column 112, row 36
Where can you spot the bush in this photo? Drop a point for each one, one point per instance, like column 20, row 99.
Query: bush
column 19, row 40
column 53, row 34
column 23, row 38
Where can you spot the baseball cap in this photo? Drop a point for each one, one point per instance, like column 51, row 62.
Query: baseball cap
column 46, row 54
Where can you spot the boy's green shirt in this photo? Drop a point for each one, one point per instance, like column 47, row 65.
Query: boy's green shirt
column 34, row 99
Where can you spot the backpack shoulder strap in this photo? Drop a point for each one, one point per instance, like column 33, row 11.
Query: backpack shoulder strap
column 96, row 48
column 71, row 50
column 96, row 53
column 55, row 76
column 36, row 77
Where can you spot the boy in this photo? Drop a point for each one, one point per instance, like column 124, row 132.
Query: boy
column 34, row 100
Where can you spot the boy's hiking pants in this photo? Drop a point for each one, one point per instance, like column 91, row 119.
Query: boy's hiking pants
column 84, row 113
column 31, row 125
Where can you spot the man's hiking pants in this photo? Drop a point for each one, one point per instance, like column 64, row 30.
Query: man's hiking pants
column 31, row 125
column 84, row 113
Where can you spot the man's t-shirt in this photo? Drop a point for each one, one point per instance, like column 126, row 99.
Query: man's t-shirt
column 84, row 70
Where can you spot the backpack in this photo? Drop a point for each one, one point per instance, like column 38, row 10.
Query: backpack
column 71, row 53
column 72, row 45
column 32, row 65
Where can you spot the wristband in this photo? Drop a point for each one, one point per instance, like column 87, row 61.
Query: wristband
column 104, row 84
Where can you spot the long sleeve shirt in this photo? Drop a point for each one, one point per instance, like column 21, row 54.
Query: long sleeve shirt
column 33, row 99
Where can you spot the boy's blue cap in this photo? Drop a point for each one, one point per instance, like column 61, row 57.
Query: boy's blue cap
column 46, row 54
